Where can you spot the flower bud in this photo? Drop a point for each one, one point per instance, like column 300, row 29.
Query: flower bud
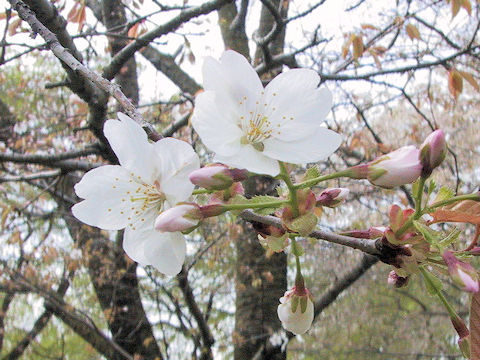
column 373, row 232
column 432, row 152
column 399, row 167
column 217, row 176
column 182, row 217
column 461, row 273
column 332, row 197
column 222, row 196
column 397, row 281
column 296, row 310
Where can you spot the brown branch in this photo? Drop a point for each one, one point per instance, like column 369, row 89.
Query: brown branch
column 38, row 326
column 366, row 245
column 34, row 176
column 66, row 56
column 128, row 51
column 167, row 65
column 206, row 334
column 402, row 69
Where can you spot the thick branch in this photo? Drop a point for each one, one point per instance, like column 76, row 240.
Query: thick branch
column 206, row 334
column 144, row 40
column 65, row 55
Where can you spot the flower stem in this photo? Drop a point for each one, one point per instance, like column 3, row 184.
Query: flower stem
column 270, row 204
column 291, row 188
column 428, row 278
column 418, row 198
column 474, row 197
column 202, row 191
column 315, row 181
column 299, row 281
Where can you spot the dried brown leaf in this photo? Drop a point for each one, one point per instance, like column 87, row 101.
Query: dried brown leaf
column 412, row 32
column 357, row 45
column 470, row 79
column 455, row 83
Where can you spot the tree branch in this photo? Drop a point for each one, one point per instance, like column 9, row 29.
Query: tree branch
column 144, row 40
column 366, row 245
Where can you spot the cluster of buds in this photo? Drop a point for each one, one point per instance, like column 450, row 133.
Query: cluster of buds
column 404, row 165
column 305, row 220
column 296, row 311
column 186, row 217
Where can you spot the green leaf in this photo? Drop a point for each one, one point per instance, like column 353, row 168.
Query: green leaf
column 311, row 173
column 430, row 235
column 432, row 283
column 304, row 224
column 451, row 238
column 431, row 186
column 276, row 244
column 443, row 194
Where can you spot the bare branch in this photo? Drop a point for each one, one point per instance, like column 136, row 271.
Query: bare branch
column 144, row 40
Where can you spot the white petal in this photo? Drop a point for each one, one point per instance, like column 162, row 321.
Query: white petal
column 107, row 204
column 212, row 124
column 317, row 146
column 178, row 161
column 166, row 252
column 129, row 142
column 232, row 79
column 252, row 160
column 293, row 81
column 299, row 115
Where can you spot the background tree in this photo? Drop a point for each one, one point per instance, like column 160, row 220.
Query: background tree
column 69, row 291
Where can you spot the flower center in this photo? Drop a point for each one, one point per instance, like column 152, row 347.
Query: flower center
column 147, row 196
column 255, row 125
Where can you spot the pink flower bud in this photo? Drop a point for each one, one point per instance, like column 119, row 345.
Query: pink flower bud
column 182, row 217
column 217, row 176
column 399, row 167
column 296, row 310
column 461, row 273
column 432, row 152
column 397, row 281
column 372, row 233
column 332, row 197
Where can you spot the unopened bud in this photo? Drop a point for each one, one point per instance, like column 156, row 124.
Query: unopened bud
column 332, row 197
column 182, row 217
column 217, row 176
column 432, row 152
column 296, row 310
column 461, row 273
column 399, row 167
column 397, row 281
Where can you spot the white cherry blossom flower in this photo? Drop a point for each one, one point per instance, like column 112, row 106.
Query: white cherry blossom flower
column 252, row 127
column 150, row 178
column 294, row 318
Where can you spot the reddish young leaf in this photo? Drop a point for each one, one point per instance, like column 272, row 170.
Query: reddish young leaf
column 466, row 211
column 475, row 327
